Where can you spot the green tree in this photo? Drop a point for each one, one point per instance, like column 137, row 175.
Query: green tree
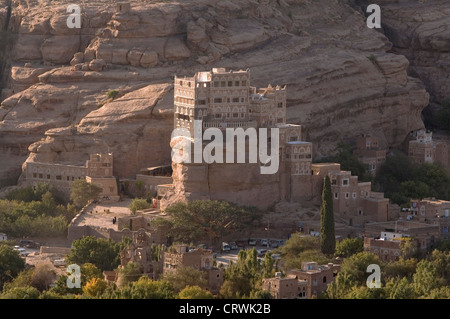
column 399, row 288
column 144, row 288
column 403, row 268
column 327, row 237
column 356, row 266
column 11, row 264
column 186, row 276
column 348, row 247
column 242, row 277
column 425, row 279
column 138, row 204
column 441, row 261
column 300, row 248
column 20, row 293
column 129, row 273
column 339, row 288
column 439, row 293
column 206, row 220
column 267, row 268
column 82, row 192
column 104, row 254
column 260, row 294
column 195, row 292
column 297, row 244
column 95, row 287
column 363, row 292
column 90, row 271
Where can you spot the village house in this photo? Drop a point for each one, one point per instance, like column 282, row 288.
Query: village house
column 423, row 148
column 318, row 277
column 289, row 287
column 201, row 259
column 389, row 246
column 429, row 209
column 370, row 153
column 97, row 170
column 424, row 235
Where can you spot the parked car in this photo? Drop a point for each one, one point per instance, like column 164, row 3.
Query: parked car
column 22, row 251
column 261, row 252
column 276, row 256
column 252, row 242
column 225, row 247
column 264, row 242
column 29, row 244
column 233, row 245
column 276, row 243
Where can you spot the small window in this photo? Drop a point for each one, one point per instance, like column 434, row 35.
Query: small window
column 242, row 99
column 222, row 83
column 218, row 100
column 34, row 175
column 244, row 83
column 201, row 102
column 59, row 177
column 230, row 83
column 345, row 182
column 347, row 195
column 280, row 104
column 235, row 100
column 354, row 195
column 48, row 176
column 336, row 195
column 236, row 83
column 216, row 84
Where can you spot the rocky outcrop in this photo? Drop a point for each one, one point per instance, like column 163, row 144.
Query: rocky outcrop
column 420, row 30
column 322, row 50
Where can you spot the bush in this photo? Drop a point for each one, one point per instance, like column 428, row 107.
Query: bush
column 21, row 293
column 138, row 204
column 112, row 94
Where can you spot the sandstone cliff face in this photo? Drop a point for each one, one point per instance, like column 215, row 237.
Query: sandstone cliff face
column 56, row 105
column 420, row 30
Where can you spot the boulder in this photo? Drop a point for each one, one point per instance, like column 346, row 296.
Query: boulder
column 149, row 59
column 97, row 65
column 60, row 49
column 77, row 58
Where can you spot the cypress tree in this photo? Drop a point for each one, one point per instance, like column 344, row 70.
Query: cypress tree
column 327, row 237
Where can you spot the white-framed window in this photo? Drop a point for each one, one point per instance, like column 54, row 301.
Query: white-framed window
column 345, row 182
column 354, row 195
column 347, row 195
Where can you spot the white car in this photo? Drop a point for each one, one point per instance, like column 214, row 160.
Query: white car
column 261, row 252
column 264, row 242
column 276, row 256
column 22, row 251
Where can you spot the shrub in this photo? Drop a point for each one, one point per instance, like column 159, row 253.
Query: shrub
column 112, row 94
